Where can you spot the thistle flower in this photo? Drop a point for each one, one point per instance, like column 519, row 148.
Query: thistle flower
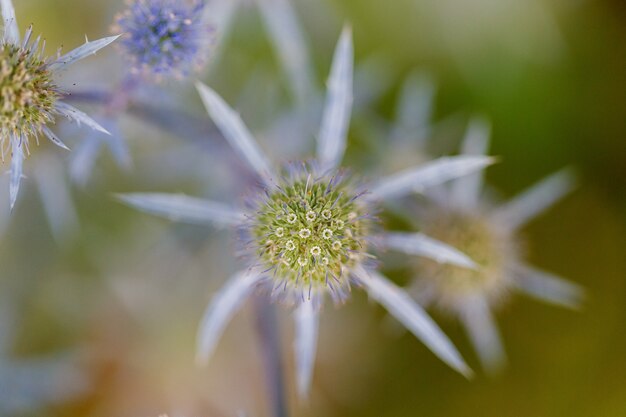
column 164, row 38
column 308, row 231
column 30, row 96
column 488, row 234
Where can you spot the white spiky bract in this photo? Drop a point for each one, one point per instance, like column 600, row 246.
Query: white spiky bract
column 87, row 49
column 316, row 212
column 536, row 199
column 291, row 47
column 11, row 29
column 411, row 315
column 51, row 179
column 332, row 140
column 185, row 209
column 460, row 216
column 467, row 189
column 235, row 132
column 482, row 331
column 306, row 319
column 16, row 130
column 221, row 310
column 428, row 175
column 549, row 288
column 421, row 245
column 414, row 110
column 221, row 14
column 79, row 117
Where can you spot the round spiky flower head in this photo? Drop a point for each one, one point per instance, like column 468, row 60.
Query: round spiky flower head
column 28, row 90
column 164, row 38
column 309, row 232
column 491, row 246
column 459, row 216
column 30, row 96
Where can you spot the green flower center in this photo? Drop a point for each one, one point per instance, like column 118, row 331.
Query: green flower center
column 27, row 90
column 311, row 233
column 491, row 248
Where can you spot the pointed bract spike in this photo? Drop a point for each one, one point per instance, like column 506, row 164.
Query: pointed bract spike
column 83, row 159
column 413, row 317
column 235, row 132
column 17, row 162
column 54, row 138
column 221, row 15
column 549, row 288
column 290, row 45
column 11, row 29
column 372, row 79
column 414, row 109
column 466, row 190
column 56, row 198
column 307, row 325
column 483, row 333
column 83, row 51
column 220, row 311
column 119, row 148
column 332, row 139
column 421, row 245
column 79, row 117
column 427, row 175
column 181, row 208
column 27, row 35
column 34, row 46
column 537, row 199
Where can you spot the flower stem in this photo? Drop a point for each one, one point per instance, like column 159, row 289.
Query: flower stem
column 269, row 338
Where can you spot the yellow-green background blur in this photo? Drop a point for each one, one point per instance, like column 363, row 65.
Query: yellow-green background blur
column 127, row 294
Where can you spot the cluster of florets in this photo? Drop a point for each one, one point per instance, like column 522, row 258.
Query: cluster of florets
column 27, row 90
column 164, row 38
column 307, row 233
column 492, row 246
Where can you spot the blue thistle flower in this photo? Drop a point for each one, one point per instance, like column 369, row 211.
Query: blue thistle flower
column 164, row 38
column 308, row 231
column 30, row 96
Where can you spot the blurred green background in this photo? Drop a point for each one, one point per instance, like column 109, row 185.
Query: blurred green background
column 126, row 294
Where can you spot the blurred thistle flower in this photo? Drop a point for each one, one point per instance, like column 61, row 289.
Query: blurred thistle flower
column 309, row 231
column 164, row 38
column 30, row 97
column 458, row 216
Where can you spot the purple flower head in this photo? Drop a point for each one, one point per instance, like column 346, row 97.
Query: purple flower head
column 164, row 38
